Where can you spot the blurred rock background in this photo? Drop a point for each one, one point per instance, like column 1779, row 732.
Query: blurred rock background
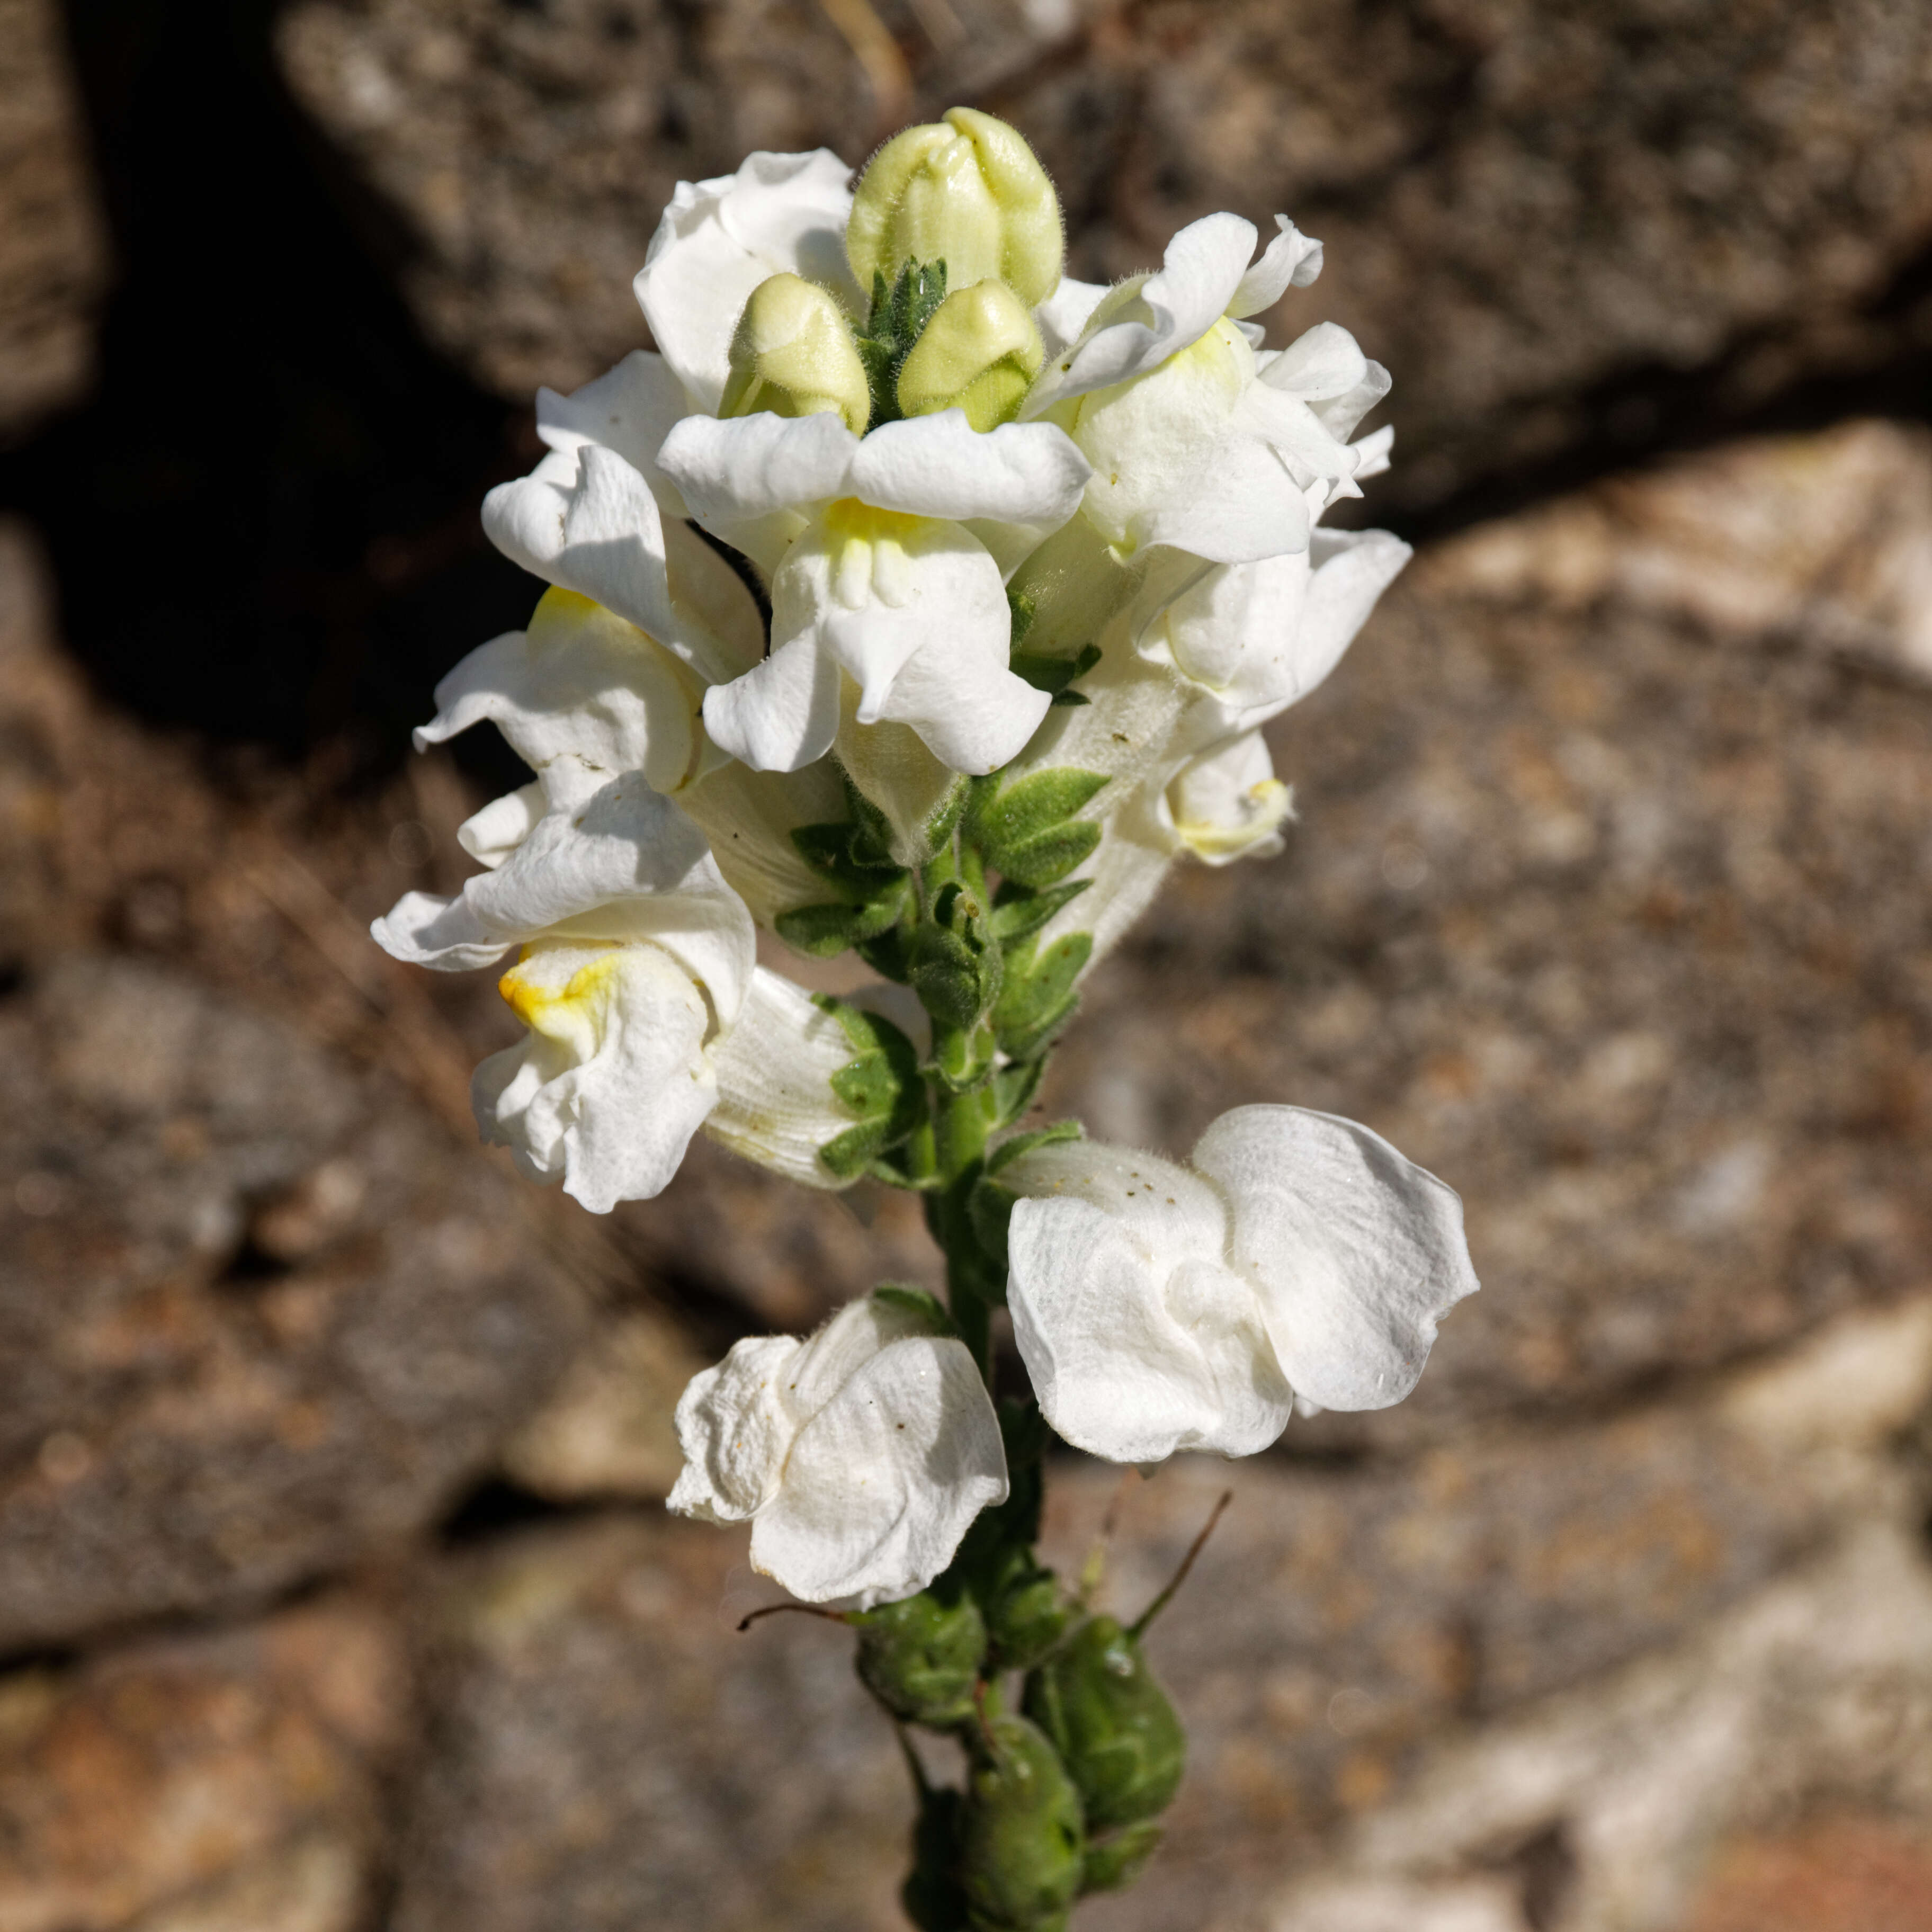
column 335, row 1595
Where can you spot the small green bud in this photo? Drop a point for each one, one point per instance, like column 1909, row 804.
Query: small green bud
column 968, row 192
column 1114, row 1863
column 922, row 1658
column 793, row 353
column 1021, row 1844
column 979, row 352
column 1112, row 1723
column 1026, row 1616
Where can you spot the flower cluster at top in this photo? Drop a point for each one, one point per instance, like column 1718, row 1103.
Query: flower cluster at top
column 915, row 601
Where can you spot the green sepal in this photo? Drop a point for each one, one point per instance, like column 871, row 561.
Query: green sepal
column 823, row 931
column 1037, row 998
column 1047, row 670
column 1020, row 911
column 925, row 1307
column 880, row 1084
column 1027, row 832
column 955, row 967
column 1116, row 1862
column 922, row 1658
column 899, row 316
column 1022, row 1842
column 1110, row 1723
column 1014, row 1087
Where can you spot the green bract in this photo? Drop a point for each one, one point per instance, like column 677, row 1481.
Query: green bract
column 1111, row 1723
column 967, row 192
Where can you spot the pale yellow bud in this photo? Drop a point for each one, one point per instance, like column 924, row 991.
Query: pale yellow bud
column 793, row 354
column 979, row 352
column 967, row 192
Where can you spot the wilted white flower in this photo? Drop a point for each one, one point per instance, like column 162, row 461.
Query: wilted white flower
column 1160, row 1307
column 860, row 1457
column 882, row 578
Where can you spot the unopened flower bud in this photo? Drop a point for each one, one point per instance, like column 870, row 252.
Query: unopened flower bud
column 967, row 191
column 1110, row 1722
column 1021, row 1844
column 979, row 352
column 793, row 354
column 922, row 1658
column 1115, row 1862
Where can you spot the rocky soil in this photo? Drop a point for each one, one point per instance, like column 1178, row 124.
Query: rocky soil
column 336, row 1593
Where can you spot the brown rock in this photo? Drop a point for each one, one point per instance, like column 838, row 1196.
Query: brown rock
column 53, row 251
column 228, row 1783
column 1521, row 203
column 608, row 1752
column 261, row 1315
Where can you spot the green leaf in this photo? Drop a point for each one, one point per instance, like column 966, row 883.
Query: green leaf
column 1037, row 998
column 880, row 1084
column 1013, row 1089
column 1019, row 911
column 1027, row 832
column 990, row 1206
column 823, row 930
column 1046, row 670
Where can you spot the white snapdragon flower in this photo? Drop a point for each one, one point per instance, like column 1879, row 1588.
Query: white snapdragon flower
column 636, row 958
column 884, row 578
column 1196, row 441
column 1160, row 1307
column 860, row 1457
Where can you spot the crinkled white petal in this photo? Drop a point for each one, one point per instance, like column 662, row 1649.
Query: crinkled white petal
column 1138, row 327
column 626, row 865
column 629, row 409
column 1139, row 1341
column 611, row 1081
column 718, row 239
column 736, row 1430
column 1292, row 260
column 913, row 610
column 1320, row 365
column 1237, row 630
column 582, row 686
column 1227, row 803
column 885, row 1480
column 774, row 1069
column 1355, row 1253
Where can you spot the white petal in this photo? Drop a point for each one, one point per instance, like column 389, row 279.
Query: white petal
column 1065, row 313
column 1227, row 804
column 914, row 611
column 1292, row 260
column 1356, row 1253
column 1138, row 1340
column 884, row 1481
column 1372, row 452
column 585, row 520
column 581, row 684
column 629, row 409
column 612, row 1082
column 720, row 238
column 1352, row 569
column 490, row 835
column 1198, row 276
column 940, row 465
column 735, row 1431
column 1320, row 365
column 776, row 1104
column 1237, row 504
column 1235, row 629
column 782, row 715
column 731, row 473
